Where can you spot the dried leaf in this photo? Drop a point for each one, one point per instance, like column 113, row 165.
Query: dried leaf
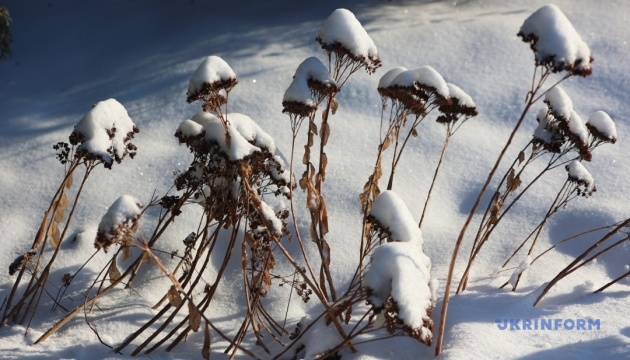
column 113, row 272
column 326, row 253
column 194, row 316
column 510, row 178
column 324, row 161
column 521, row 157
column 134, row 228
column 146, row 257
column 63, row 202
column 58, row 216
column 386, row 143
column 69, row 180
column 126, row 252
column 173, row 296
column 54, row 236
column 267, row 278
column 312, row 127
column 324, row 216
column 414, row 132
column 325, row 133
column 205, row 351
column 307, row 155
column 334, row 105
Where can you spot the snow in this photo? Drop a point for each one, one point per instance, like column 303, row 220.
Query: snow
column 555, row 41
column 270, row 217
column 386, row 79
column 145, row 61
column 123, row 212
column 577, row 128
column 299, row 90
column 547, row 131
column 559, row 103
column 462, row 98
column 520, row 270
column 211, row 72
column 424, row 78
column 392, row 214
column 579, row 174
column 602, row 126
column 105, row 116
column 343, row 27
column 189, row 128
column 252, row 132
column 401, row 270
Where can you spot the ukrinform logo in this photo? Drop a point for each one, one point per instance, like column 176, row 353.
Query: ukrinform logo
column 548, row 324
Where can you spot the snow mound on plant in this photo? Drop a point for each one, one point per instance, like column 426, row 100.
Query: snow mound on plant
column 212, row 70
column 602, row 127
column 123, row 212
column 104, row 132
column 579, row 174
column 555, row 41
column 424, row 77
column 343, row 27
column 398, row 279
column 312, row 70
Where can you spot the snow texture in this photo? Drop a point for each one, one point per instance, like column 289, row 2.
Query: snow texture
column 318, row 339
column 424, row 77
column 212, row 70
column 393, row 267
column 463, row 99
column 555, row 41
column 189, row 128
column 577, row 128
column 559, row 102
column 602, row 126
column 392, row 214
column 104, row 117
column 310, row 69
column 579, row 174
column 343, row 27
column 547, row 130
column 522, row 267
column 397, row 264
column 271, row 219
column 387, row 78
column 242, row 131
column 122, row 213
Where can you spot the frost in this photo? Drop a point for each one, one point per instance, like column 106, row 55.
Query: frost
column 213, row 73
column 117, row 221
column 555, row 42
column 342, row 27
column 578, row 174
column 424, row 78
column 392, row 214
column 602, row 127
column 104, row 133
column 522, row 267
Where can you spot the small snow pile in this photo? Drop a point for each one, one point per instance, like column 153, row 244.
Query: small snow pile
column 317, row 340
column 392, row 215
column 384, row 83
column 602, row 127
column 579, row 175
column 547, row 134
column 555, row 42
column 568, row 121
column 343, row 35
column 118, row 221
column 311, row 83
column 520, row 270
column 425, row 80
column 212, row 75
column 398, row 279
column 104, row 133
column 245, row 136
column 460, row 104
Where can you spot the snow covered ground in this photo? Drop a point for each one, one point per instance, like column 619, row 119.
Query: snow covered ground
column 69, row 55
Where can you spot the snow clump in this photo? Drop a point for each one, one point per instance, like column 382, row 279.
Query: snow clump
column 118, row 221
column 311, row 83
column 555, row 42
column 602, row 127
column 579, row 175
column 104, row 133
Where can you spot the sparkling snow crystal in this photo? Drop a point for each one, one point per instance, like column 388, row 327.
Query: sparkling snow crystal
column 105, row 133
column 343, row 34
column 555, row 42
column 398, row 279
column 117, row 221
